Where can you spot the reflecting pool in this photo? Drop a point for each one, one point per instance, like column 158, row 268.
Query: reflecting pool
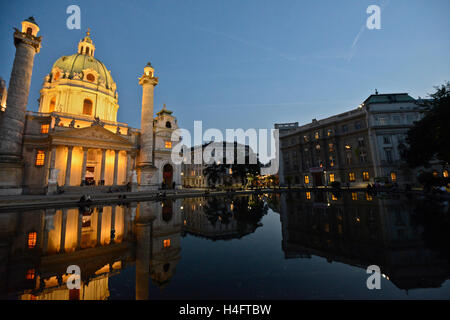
column 301, row 245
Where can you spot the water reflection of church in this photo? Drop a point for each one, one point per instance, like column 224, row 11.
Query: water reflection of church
column 359, row 230
column 39, row 245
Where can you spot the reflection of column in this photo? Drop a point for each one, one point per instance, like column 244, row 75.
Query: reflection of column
column 63, row 230
column 49, row 217
column 68, row 165
column 113, row 224
column 80, row 226
column 142, row 259
column 102, row 172
column 116, row 164
column 83, row 166
column 99, row 225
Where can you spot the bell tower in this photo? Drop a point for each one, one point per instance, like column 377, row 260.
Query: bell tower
column 12, row 121
column 146, row 168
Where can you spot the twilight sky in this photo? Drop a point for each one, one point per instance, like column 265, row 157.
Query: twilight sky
column 245, row 63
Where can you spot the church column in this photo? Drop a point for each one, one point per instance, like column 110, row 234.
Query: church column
column 68, row 166
column 13, row 119
column 116, row 164
column 63, row 231
column 128, row 169
column 52, row 181
column 83, row 166
column 102, row 172
column 146, row 169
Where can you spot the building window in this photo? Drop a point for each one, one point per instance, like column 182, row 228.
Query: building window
column 388, row 153
column 435, row 174
column 306, row 179
column 331, row 177
column 351, row 177
column 51, row 107
column 386, row 140
column 32, row 239
column 168, row 124
column 166, row 243
column 331, row 147
column 318, row 148
column 329, row 132
column 354, row 196
column 87, row 107
column 348, row 158
column 348, row 146
column 305, row 138
column 29, row 31
column 30, row 274
column 44, row 128
column 308, row 195
column 361, row 142
column 393, row 177
column 358, row 125
column 331, row 161
column 40, row 158
column 333, row 197
column 363, row 157
column 445, row 173
column 368, row 197
column 344, row 128
column 168, row 144
column 90, row 77
column 366, row 176
column 56, row 76
column 316, row 135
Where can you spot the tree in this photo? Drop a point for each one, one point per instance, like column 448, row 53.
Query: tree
column 214, row 172
column 429, row 138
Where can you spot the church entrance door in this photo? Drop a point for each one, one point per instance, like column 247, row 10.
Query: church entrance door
column 167, row 177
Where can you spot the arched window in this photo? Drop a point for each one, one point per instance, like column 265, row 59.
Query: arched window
column 56, row 76
column 87, row 50
column 31, row 239
column 168, row 124
column 87, row 107
column 29, row 31
column 51, row 108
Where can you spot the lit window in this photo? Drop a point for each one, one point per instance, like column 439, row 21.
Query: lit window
column 308, row 195
column 351, row 176
column 32, row 238
column 56, row 76
column 435, row 174
column 331, row 177
column 316, row 135
column 333, row 197
column 168, row 144
column 368, row 197
column 306, row 179
column 166, row 243
column 40, row 158
column 44, row 128
column 393, row 176
column 29, row 31
column 354, row 196
column 30, row 274
column 87, row 107
column 365, row 176
column 445, row 173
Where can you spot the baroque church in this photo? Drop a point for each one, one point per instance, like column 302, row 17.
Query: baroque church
column 74, row 140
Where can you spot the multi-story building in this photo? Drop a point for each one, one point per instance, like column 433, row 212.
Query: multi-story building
column 354, row 147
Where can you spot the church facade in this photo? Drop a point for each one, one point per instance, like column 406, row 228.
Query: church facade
column 75, row 140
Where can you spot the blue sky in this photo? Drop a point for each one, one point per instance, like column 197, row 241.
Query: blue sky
column 245, row 63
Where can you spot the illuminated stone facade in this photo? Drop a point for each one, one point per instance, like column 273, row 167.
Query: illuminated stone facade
column 75, row 140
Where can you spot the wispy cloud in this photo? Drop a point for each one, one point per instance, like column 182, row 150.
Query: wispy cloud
column 246, row 42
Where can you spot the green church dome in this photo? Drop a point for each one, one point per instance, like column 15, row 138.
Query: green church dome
column 76, row 63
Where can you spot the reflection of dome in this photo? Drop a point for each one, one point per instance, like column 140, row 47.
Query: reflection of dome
column 76, row 63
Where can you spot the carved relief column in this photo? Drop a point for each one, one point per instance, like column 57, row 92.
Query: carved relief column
column 102, row 172
column 83, row 166
column 68, row 166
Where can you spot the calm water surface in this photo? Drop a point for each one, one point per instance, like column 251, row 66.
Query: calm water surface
column 268, row 246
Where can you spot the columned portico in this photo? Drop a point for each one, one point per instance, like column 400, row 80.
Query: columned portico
column 68, row 166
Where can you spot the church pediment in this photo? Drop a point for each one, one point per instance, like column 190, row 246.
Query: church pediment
column 94, row 136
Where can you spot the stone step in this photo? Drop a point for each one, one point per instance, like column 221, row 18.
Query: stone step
column 92, row 189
